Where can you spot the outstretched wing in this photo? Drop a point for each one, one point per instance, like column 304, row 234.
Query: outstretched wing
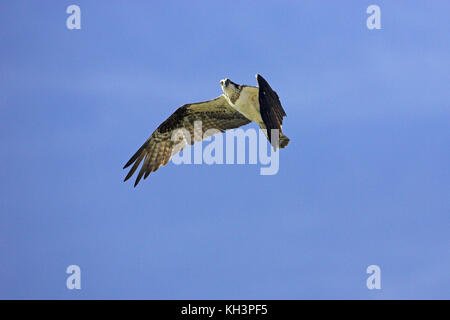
column 159, row 148
column 272, row 112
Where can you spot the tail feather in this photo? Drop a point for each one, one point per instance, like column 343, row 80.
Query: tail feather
column 284, row 141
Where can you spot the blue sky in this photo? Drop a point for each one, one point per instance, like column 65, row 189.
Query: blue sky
column 365, row 179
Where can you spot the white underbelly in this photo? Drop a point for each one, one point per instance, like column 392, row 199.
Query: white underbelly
column 248, row 104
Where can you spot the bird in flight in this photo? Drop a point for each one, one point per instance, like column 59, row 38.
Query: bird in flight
column 237, row 106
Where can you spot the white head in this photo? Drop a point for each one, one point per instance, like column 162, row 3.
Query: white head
column 229, row 88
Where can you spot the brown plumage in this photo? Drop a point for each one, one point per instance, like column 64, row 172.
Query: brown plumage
column 159, row 148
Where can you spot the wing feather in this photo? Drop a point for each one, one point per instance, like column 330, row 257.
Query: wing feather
column 135, row 166
column 159, row 148
column 271, row 110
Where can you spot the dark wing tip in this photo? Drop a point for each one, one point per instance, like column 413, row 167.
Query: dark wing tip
column 127, row 165
column 140, row 174
column 261, row 80
column 136, row 159
column 135, row 156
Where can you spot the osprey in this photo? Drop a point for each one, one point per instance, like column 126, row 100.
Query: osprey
column 237, row 106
